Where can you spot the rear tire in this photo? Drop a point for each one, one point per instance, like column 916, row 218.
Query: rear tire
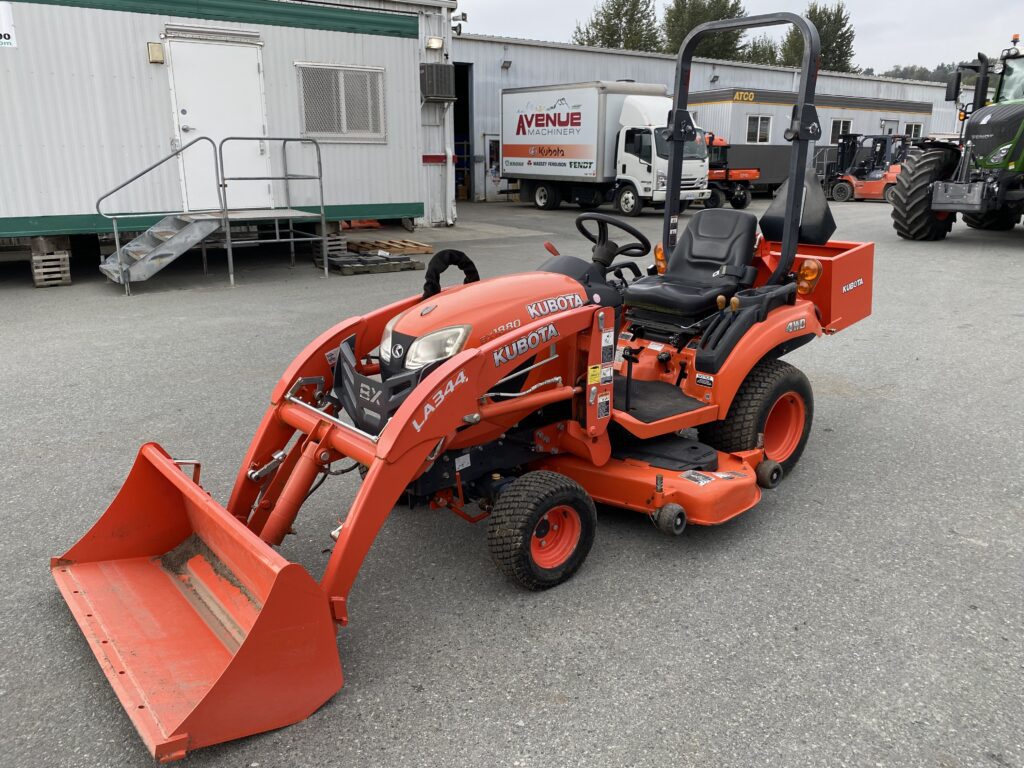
column 775, row 400
column 546, row 197
column 541, row 529
column 842, row 191
column 628, row 202
column 741, row 199
column 912, row 214
column 715, row 200
column 995, row 221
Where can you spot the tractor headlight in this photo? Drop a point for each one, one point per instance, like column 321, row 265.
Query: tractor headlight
column 1000, row 154
column 435, row 346
column 385, row 339
column 661, row 180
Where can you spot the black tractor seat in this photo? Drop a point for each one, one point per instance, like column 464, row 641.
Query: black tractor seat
column 712, row 258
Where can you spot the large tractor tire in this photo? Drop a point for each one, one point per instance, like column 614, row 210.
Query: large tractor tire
column 997, row 221
column 912, row 214
column 776, row 401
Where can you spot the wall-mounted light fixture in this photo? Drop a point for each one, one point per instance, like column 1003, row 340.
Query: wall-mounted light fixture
column 156, row 52
column 435, row 43
column 506, row 64
column 460, row 17
column 457, row 29
column 714, row 78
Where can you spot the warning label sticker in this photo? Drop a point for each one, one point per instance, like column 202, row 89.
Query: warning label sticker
column 593, row 374
column 607, row 374
column 604, row 406
column 697, row 477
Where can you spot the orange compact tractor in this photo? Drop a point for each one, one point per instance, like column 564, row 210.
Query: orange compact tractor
column 727, row 184
column 867, row 167
column 527, row 399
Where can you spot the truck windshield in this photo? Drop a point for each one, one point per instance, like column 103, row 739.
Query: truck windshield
column 692, row 150
column 1011, row 86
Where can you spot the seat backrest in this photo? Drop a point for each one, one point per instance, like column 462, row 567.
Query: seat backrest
column 816, row 222
column 717, row 240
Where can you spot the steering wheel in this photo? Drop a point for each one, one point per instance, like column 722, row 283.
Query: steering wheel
column 605, row 250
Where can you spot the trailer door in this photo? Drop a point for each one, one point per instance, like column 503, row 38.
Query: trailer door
column 217, row 91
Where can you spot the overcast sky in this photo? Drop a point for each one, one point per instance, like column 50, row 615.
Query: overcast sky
column 889, row 32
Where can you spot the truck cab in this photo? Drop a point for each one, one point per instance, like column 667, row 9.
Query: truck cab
column 641, row 170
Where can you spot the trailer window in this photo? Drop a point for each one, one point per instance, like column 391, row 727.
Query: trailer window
column 914, row 130
column 342, row 103
column 839, row 127
column 759, row 129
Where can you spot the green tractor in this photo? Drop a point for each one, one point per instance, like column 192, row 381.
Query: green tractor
column 983, row 177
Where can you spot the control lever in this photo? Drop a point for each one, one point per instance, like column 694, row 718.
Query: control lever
column 631, row 356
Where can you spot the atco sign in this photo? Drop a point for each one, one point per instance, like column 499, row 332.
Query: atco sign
column 743, row 95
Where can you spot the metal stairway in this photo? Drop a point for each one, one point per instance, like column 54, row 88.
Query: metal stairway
column 157, row 247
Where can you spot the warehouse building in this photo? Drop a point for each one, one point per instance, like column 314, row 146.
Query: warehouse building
column 748, row 104
column 97, row 90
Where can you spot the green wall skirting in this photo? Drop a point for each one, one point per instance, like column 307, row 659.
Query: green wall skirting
column 84, row 223
column 269, row 12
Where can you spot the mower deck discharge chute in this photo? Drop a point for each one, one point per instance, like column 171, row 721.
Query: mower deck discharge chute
column 533, row 396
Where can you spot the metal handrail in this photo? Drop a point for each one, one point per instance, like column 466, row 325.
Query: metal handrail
column 286, row 178
column 114, row 216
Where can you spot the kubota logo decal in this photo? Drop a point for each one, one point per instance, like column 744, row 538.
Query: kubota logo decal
column 438, row 398
column 545, row 307
column 855, row 284
column 522, row 345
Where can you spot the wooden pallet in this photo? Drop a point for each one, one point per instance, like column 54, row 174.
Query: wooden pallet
column 337, row 245
column 51, row 269
column 391, row 246
column 355, row 264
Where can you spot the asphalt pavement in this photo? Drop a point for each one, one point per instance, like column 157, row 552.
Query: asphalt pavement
column 867, row 613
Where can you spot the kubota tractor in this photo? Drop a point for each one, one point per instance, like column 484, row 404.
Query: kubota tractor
column 726, row 183
column 867, row 167
column 983, row 177
column 526, row 399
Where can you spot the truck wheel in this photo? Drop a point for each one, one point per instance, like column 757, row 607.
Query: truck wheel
column 912, row 214
column 775, row 400
column 997, row 221
column 628, row 202
column 715, row 200
column 740, row 199
column 546, row 197
column 541, row 529
column 890, row 193
column 842, row 191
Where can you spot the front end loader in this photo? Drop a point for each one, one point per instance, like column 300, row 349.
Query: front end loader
column 524, row 400
column 982, row 177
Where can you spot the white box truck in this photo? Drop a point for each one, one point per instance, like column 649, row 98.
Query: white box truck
column 590, row 143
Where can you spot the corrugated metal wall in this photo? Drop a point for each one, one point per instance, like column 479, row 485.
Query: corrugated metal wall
column 534, row 63
column 84, row 110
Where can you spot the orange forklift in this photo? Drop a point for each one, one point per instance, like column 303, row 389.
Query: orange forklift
column 866, row 167
column 732, row 184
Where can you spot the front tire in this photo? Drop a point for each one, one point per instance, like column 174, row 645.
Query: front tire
column 546, row 197
column 889, row 193
column 912, row 214
column 741, row 199
column 541, row 529
column 842, row 191
column 715, row 200
column 775, row 400
column 995, row 221
column 628, row 202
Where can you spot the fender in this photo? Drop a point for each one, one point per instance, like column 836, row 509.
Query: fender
column 759, row 342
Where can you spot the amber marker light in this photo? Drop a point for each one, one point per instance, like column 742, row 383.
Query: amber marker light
column 659, row 258
column 807, row 277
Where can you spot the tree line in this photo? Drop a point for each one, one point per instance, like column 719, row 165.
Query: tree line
column 634, row 25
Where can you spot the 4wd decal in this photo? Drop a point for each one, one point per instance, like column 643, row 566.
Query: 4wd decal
column 855, row 284
column 545, row 307
column 437, row 399
column 796, row 325
column 526, row 343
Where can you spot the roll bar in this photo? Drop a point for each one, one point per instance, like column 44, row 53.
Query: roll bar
column 804, row 127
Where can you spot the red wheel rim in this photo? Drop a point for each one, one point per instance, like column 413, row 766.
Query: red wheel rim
column 784, row 426
column 555, row 537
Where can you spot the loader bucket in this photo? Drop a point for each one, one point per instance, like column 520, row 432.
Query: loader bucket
column 204, row 631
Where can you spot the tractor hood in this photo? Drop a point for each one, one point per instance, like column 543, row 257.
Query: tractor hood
column 467, row 316
column 994, row 127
